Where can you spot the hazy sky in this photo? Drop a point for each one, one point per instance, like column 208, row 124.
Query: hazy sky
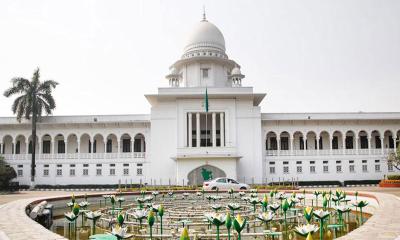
column 308, row 56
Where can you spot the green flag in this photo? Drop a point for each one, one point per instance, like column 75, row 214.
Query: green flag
column 206, row 101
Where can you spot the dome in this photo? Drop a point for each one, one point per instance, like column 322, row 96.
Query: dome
column 236, row 71
column 174, row 71
column 206, row 37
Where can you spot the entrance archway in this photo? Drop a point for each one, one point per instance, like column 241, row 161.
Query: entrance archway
column 203, row 173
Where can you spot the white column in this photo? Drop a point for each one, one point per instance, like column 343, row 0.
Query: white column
column 1, row 148
column 278, row 144
column 357, row 144
column 197, row 129
column 65, row 147
column 291, row 140
column 317, row 142
column 190, row 130
column 214, row 130
column 26, row 148
column 222, row 129
column 132, row 145
column 119, row 147
column 13, row 147
column 91, row 148
column 369, row 146
column 344, row 144
column 330, row 144
column 53, row 144
column 79, row 148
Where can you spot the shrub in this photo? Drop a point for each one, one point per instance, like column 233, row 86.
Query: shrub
column 393, row 177
column 7, row 173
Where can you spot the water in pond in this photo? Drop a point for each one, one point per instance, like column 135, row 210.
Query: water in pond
column 190, row 211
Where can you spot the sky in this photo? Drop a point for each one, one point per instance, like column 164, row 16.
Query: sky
column 308, row 56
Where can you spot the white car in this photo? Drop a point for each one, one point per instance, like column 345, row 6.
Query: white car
column 224, row 184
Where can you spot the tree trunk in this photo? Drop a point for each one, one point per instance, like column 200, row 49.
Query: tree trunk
column 33, row 159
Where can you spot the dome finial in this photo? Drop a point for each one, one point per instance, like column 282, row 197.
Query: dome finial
column 204, row 13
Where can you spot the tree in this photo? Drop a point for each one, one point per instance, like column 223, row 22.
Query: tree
column 33, row 97
column 6, row 174
column 394, row 158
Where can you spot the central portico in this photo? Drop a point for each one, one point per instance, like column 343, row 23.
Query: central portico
column 193, row 137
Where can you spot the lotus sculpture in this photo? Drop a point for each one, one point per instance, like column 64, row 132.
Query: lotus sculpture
column 185, row 234
column 321, row 215
column 217, row 220
column 216, row 207
column 94, row 216
column 238, row 224
column 360, row 204
column 139, row 215
column 308, row 214
column 254, row 202
column 233, row 207
column 305, row 230
column 150, row 221
column 266, row 217
column 264, row 203
column 274, row 207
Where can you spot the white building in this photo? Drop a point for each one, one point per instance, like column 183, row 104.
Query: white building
column 179, row 141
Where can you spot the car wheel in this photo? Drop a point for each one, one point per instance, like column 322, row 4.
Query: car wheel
column 243, row 188
column 214, row 188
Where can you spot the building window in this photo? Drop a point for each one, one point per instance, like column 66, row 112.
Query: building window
column 18, row 147
column 364, row 168
column 349, row 142
column 363, row 142
column 126, row 145
column 301, row 143
column 61, row 146
column 72, row 172
column 272, row 170
column 338, row 168
column 390, row 167
column 312, row 162
column 338, row 161
column 126, row 171
column 204, row 72
column 284, row 143
column 335, row 142
column 20, row 172
column 377, row 168
column 351, row 161
column 98, row 172
column 285, row 169
column 312, row 169
column 325, row 169
column 273, row 143
column 299, row 169
column 109, row 146
column 351, row 168
column 378, row 142
column 285, row 163
column 46, row 146
column 45, row 172
column 85, row 165
column 139, row 171
column 325, row 162
column 59, row 172
column 85, row 172
column 112, row 171
column 298, row 162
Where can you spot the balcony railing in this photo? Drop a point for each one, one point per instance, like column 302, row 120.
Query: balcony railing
column 46, row 156
column 313, row 152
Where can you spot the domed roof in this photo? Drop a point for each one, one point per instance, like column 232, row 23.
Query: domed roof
column 236, row 71
column 205, row 37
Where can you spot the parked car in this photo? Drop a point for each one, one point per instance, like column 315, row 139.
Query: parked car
column 223, row 184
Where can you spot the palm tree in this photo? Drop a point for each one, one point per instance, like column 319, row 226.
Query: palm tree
column 34, row 97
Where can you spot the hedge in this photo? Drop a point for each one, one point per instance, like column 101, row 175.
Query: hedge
column 393, row 177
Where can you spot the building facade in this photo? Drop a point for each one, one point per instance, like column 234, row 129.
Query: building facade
column 180, row 141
